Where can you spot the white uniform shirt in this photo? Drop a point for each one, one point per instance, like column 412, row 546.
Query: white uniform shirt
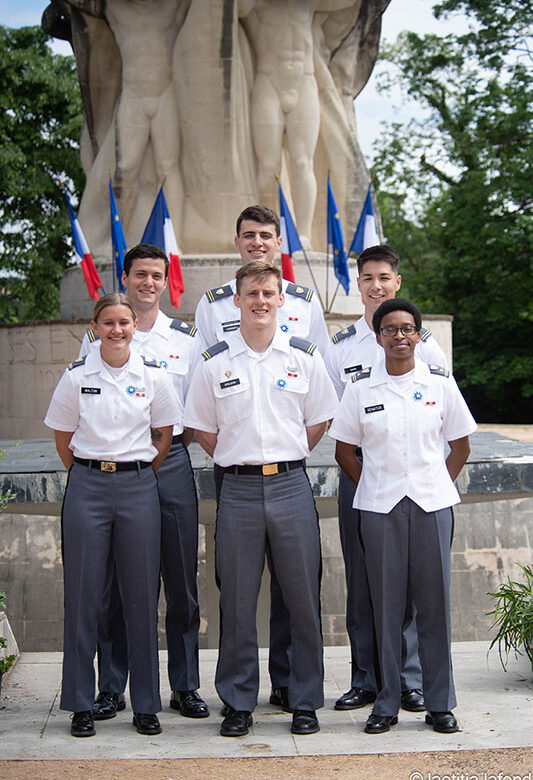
column 356, row 347
column 260, row 405
column 301, row 314
column 111, row 416
column 402, row 433
column 178, row 350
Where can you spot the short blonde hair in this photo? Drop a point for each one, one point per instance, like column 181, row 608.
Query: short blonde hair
column 258, row 268
column 113, row 299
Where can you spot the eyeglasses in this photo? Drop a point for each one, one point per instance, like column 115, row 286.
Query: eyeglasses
column 390, row 330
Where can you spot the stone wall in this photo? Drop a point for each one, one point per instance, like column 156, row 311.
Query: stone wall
column 489, row 538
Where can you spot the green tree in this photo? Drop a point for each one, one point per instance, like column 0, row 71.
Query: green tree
column 40, row 125
column 455, row 193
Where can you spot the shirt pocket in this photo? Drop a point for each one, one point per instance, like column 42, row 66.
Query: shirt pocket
column 233, row 402
column 176, row 366
column 290, row 394
column 296, row 324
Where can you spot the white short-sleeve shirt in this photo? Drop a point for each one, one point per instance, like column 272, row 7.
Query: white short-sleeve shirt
column 402, row 430
column 111, row 416
column 259, row 405
column 356, row 347
column 301, row 314
column 174, row 343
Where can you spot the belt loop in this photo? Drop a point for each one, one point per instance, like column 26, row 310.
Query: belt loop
column 90, row 464
column 138, row 462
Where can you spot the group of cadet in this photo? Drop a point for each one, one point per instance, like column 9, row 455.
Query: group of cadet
column 257, row 381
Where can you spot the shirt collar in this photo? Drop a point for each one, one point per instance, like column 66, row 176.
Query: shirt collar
column 161, row 325
column 94, row 363
column 237, row 344
column 379, row 374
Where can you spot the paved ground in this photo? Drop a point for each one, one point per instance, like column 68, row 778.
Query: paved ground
column 494, row 711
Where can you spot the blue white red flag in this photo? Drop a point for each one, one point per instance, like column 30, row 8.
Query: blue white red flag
column 117, row 237
column 159, row 231
column 336, row 239
column 366, row 232
column 290, row 239
column 82, row 254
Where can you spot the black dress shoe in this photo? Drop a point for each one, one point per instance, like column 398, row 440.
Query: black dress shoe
column 82, row 724
column 304, row 722
column 413, row 700
column 236, row 723
column 108, row 704
column 354, row 699
column 146, row 723
column 378, row 724
column 443, row 722
column 279, row 697
column 190, row 704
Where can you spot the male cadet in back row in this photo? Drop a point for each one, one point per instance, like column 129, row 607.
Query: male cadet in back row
column 258, row 238
column 176, row 346
column 351, row 350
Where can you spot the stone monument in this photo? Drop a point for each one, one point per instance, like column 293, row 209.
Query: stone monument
column 218, row 100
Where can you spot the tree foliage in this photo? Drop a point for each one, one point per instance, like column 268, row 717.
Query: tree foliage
column 40, row 125
column 455, row 193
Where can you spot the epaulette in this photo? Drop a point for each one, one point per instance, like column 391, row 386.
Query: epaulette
column 439, row 370
column 76, row 363
column 210, row 352
column 151, row 362
column 92, row 336
column 217, row 293
column 183, row 327
column 342, row 334
column 364, row 373
column 303, row 344
column 424, row 334
column 300, row 292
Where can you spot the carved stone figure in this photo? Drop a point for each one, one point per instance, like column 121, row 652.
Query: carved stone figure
column 215, row 99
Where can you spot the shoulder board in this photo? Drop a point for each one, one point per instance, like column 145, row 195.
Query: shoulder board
column 439, row 370
column 424, row 334
column 151, row 362
column 216, row 293
column 91, row 335
column 300, row 292
column 342, row 334
column 210, row 352
column 183, row 327
column 364, row 373
column 76, row 363
column 303, row 344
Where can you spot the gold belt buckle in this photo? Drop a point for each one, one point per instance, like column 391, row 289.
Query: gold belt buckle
column 108, row 465
column 270, row 468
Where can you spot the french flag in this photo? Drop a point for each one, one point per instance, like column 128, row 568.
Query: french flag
column 160, row 232
column 290, row 240
column 366, row 232
column 82, row 254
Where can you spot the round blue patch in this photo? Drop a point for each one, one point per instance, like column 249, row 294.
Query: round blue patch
column 163, row 364
column 284, row 328
column 281, row 383
column 417, row 395
column 130, row 389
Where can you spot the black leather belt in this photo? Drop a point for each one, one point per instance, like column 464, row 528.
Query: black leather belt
column 177, row 439
column 111, row 465
column 267, row 469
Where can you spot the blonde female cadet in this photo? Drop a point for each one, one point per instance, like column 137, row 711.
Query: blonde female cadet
column 112, row 414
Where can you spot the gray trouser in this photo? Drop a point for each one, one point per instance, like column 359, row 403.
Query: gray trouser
column 408, row 550
column 256, row 515
column 179, row 564
column 359, row 617
column 280, row 621
column 110, row 515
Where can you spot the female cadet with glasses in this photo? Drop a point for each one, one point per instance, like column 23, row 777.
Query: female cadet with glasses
column 402, row 412
column 112, row 414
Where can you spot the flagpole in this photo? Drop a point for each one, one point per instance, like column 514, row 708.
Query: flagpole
column 335, row 293
column 306, row 261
